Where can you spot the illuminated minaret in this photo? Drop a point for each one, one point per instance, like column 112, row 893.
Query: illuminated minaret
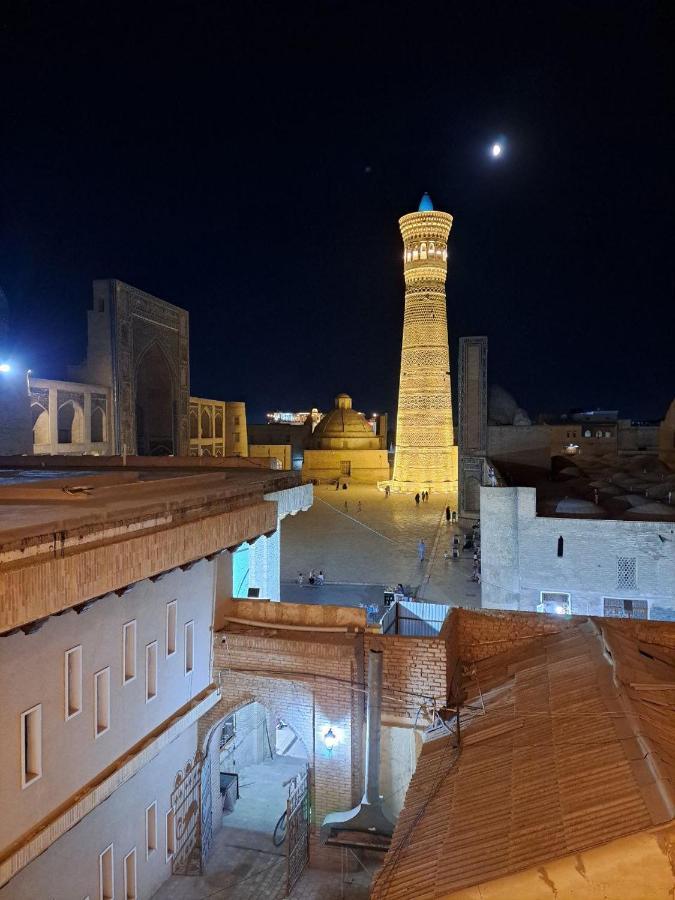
column 426, row 457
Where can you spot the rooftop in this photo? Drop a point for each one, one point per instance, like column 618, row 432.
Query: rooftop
column 576, row 747
column 41, row 495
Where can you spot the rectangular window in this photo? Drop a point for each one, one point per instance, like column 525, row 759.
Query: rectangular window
column 130, row 892
column 106, row 882
column 129, row 652
column 73, row 682
column 625, row 609
column 101, row 702
column 171, row 619
column 189, row 647
column 626, row 573
column 150, row 830
column 555, row 602
column 236, row 437
column 236, row 420
column 345, row 467
column 151, row 671
column 170, row 834
column 31, row 745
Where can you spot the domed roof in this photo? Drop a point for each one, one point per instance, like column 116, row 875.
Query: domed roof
column 344, row 424
column 425, row 203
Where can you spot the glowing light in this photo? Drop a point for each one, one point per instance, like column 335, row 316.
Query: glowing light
column 496, row 150
column 560, row 610
column 5, row 367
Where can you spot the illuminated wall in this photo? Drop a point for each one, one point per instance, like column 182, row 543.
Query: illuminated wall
column 425, row 453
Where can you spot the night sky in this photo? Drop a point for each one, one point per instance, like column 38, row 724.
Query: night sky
column 249, row 162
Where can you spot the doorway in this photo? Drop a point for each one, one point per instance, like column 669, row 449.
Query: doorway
column 260, row 758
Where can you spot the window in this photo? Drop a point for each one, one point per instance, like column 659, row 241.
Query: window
column 626, row 572
column 561, row 545
column 218, row 429
column 206, row 424
column 236, row 420
column 189, row 647
column 345, row 467
column 130, row 892
column 587, row 433
column 150, row 830
column 129, row 652
column 151, row 671
column 101, row 702
column 598, row 434
column 73, row 682
column 31, row 745
column 171, row 613
column 170, row 834
column 106, row 880
column 557, row 602
column 625, row 609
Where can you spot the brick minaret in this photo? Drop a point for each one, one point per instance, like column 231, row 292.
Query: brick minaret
column 426, row 457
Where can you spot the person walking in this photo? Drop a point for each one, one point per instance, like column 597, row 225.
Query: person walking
column 358, row 506
column 337, row 485
column 417, row 499
column 421, row 548
column 447, row 514
column 300, row 578
column 346, row 506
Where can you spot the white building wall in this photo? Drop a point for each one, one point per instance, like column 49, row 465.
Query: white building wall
column 69, row 869
column 32, row 672
column 519, row 557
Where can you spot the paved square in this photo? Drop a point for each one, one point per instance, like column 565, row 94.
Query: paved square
column 363, row 540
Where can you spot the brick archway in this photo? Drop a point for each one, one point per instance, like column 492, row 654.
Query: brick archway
column 208, row 740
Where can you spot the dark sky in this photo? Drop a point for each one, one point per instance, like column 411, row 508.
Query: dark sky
column 249, row 162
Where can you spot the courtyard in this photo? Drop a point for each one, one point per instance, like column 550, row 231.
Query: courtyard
column 363, row 541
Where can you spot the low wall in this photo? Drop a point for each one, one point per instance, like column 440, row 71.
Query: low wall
column 296, row 614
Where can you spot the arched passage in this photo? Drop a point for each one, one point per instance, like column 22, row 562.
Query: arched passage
column 155, row 398
column 98, row 425
column 257, row 750
column 40, row 424
column 70, row 423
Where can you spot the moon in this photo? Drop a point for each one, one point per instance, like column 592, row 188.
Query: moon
column 496, row 150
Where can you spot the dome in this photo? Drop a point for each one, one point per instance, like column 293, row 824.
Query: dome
column 425, row 203
column 343, row 427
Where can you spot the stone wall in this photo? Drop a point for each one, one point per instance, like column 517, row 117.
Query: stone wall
column 525, row 445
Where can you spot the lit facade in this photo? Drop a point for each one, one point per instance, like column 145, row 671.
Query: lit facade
column 426, row 457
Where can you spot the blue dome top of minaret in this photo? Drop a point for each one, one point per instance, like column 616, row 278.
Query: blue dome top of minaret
column 425, row 203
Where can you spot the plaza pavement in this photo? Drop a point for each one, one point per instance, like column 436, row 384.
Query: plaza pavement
column 361, row 550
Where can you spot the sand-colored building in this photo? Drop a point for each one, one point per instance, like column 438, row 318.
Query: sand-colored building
column 217, row 428
column 344, row 446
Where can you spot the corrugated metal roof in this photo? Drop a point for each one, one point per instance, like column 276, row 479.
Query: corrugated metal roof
column 567, row 756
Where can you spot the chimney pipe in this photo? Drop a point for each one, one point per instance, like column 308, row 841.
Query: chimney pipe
column 368, row 815
column 373, row 728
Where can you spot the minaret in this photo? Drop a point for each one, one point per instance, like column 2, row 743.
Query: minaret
column 426, row 458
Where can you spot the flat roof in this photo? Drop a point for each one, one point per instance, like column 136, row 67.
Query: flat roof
column 41, row 495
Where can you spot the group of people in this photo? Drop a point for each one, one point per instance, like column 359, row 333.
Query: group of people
column 317, row 578
column 450, row 514
column 424, row 496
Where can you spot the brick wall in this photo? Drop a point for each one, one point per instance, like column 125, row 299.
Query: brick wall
column 414, row 668
column 485, row 633
column 308, row 684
